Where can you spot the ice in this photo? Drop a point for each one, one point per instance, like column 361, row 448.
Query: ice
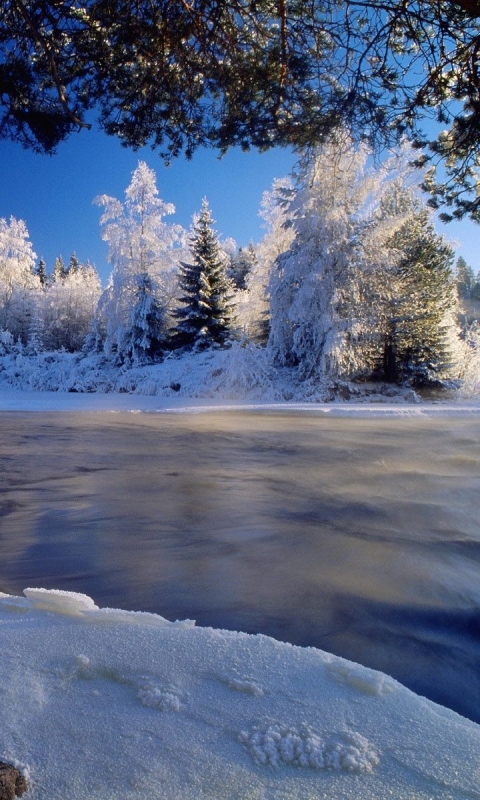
column 59, row 601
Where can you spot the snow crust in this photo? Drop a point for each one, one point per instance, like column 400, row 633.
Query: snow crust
column 110, row 705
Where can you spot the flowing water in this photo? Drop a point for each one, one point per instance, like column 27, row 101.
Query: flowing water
column 358, row 536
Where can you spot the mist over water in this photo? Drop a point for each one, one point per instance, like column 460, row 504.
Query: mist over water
column 358, row 536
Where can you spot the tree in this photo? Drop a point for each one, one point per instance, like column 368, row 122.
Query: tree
column 241, row 266
column 139, row 243
column 180, row 75
column 422, row 328
column 73, row 265
column 69, row 306
column 59, row 270
column 464, row 277
column 323, row 320
column 17, row 279
column 204, row 314
column 146, row 336
column 41, row 271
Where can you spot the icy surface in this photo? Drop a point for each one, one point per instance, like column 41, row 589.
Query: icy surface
column 95, row 706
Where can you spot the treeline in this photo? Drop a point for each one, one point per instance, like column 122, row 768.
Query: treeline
column 350, row 280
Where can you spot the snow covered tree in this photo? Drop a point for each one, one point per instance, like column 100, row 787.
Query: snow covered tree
column 41, row 272
column 464, row 277
column 69, row 306
column 204, row 314
column 73, row 265
column 241, row 266
column 17, row 278
column 146, row 336
column 252, row 303
column 139, row 243
column 59, row 270
column 319, row 320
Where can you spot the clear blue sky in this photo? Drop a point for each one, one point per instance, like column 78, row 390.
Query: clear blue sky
column 54, row 194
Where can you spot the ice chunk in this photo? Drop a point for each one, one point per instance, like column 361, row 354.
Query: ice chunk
column 116, row 615
column 59, row 601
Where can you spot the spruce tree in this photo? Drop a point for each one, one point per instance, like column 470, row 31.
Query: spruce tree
column 73, row 265
column 422, row 322
column 204, row 315
column 41, row 271
column 243, row 263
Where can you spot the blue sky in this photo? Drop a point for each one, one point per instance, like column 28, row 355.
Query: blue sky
column 54, row 194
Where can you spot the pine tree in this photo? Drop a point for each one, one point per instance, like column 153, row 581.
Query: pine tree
column 204, row 315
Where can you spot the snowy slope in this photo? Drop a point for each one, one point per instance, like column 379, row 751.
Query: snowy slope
column 103, row 704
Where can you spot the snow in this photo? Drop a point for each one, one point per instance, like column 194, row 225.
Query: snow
column 110, row 704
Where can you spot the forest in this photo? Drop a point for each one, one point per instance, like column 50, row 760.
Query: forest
column 350, row 282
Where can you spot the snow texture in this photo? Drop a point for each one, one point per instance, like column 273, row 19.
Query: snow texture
column 111, row 705
column 302, row 747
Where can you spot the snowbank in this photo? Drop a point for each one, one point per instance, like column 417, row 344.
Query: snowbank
column 102, row 704
column 240, row 374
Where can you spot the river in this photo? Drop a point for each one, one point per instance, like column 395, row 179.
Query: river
column 358, row 536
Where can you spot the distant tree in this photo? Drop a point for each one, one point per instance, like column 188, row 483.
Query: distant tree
column 464, row 278
column 41, row 272
column 69, row 306
column 59, row 270
column 73, row 265
column 204, row 313
column 241, row 266
column 475, row 291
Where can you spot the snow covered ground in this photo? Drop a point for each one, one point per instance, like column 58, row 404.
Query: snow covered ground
column 99, row 704
column 111, row 705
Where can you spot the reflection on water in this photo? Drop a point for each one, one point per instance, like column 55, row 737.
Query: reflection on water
column 357, row 536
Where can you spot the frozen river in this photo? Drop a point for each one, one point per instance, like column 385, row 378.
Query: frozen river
column 358, row 536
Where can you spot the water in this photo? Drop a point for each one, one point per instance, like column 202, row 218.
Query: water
column 359, row 536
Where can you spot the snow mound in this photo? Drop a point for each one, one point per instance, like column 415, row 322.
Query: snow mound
column 245, row 685
column 278, row 745
column 122, row 711
column 59, row 601
column 365, row 680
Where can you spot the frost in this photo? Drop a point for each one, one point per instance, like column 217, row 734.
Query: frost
column 159, row 697
column 278, row 745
